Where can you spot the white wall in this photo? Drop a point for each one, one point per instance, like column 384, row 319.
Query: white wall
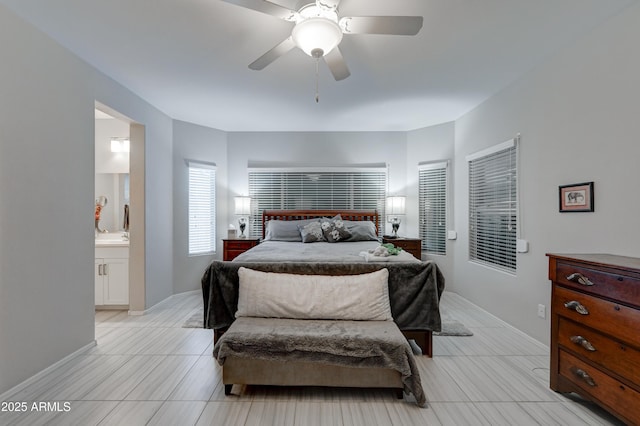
column 578, row 116
column 431, row 144
column 47, row 101
column 193, row 142
column 316, row 148
column 107, row 161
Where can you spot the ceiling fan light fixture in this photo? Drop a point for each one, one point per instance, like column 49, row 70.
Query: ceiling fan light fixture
column 316, row 33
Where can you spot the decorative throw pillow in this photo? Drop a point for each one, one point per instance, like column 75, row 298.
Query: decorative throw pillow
column 311, row 232
column 363, row 297
column 334, row 230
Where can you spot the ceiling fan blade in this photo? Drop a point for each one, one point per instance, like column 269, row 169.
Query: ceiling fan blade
column 266, row 7
column 336, row 64
column 272, row 54
column 328, row 4
column 391, row 25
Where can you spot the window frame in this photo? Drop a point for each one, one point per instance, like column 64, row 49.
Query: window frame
column 207, row 171
column 439, row 182
column 493, row 206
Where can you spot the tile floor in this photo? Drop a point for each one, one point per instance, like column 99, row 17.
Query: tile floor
column 148, row 370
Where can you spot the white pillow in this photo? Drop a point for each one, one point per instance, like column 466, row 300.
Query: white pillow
column 344, row 297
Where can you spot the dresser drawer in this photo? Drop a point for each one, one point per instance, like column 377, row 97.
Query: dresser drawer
column 616, row 396
column 606, row 284
column 619, row 321
column 619, row 358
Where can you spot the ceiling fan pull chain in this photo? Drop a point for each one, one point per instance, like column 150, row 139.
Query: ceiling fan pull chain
column 317, row 78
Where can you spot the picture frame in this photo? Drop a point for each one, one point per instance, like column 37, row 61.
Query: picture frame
column 577, row 197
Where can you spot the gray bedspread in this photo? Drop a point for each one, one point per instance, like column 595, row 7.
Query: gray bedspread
column 319, row 252
column 414, row 289
column 344, row 343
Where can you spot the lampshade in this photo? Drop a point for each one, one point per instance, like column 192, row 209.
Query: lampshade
column 243, row 205
column 395, row 205
column 316, row 33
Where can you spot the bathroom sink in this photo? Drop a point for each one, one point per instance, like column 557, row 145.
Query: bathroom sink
column 111, row 239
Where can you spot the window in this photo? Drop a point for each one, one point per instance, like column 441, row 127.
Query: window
column 493, row 206
column 432, row 199
column 202, row 208
column 315, row 189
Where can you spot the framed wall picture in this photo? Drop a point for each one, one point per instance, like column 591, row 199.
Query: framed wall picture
column 577, row 197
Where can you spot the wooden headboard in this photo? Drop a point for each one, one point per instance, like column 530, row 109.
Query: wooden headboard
column 371, row 215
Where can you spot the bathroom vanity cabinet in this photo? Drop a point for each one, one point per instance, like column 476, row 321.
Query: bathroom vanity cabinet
column 112, row 276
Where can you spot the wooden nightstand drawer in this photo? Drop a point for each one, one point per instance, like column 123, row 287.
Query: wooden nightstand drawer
column 235, row 247
column 239, row 244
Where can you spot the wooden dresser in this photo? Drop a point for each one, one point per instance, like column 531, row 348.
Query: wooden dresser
column 595, row 330
column 232, row 247
column 410, row 245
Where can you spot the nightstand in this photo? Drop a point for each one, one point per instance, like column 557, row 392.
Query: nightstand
column 232, row 247
column 410, row 245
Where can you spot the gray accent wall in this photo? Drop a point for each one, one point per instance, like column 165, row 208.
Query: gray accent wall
column 578, row 116
column 429, row 145
column 316, row 149
column 193, row 142
column 47, row 101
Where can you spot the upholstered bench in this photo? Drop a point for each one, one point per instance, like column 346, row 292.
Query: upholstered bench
column 312, row 330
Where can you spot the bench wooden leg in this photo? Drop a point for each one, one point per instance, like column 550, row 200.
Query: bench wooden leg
column 227, row 389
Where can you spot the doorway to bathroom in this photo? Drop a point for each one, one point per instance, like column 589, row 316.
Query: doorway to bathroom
column 119, row 212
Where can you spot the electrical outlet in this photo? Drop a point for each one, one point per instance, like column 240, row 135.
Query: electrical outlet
column 542, row 311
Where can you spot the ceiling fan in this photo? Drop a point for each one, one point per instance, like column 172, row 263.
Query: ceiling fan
column 318, row 30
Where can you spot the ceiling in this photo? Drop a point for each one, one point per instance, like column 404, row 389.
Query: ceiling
column 189, row 58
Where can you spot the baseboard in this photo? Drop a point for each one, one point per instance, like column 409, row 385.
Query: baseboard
column 19, row 387
column 146, row 311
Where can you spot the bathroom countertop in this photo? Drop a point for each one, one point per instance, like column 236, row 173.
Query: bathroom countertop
column 112, row 243
column 111, row 239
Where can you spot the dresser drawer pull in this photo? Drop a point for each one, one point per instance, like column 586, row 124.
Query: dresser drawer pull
column 577, row 277
column 576, row 306
column 581, row 341
column 581, row 374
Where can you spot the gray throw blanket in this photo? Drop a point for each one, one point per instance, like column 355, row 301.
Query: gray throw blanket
column 414, row 289
column 376, row 344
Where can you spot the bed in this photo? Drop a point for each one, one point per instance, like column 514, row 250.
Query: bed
column 415, row 286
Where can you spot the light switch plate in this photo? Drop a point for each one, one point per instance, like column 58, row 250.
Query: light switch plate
column 522, row 246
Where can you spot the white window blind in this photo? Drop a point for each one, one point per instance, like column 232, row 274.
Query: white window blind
column 315, row 189
column 432, row 199
column 202, row 208
column 493, row 206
